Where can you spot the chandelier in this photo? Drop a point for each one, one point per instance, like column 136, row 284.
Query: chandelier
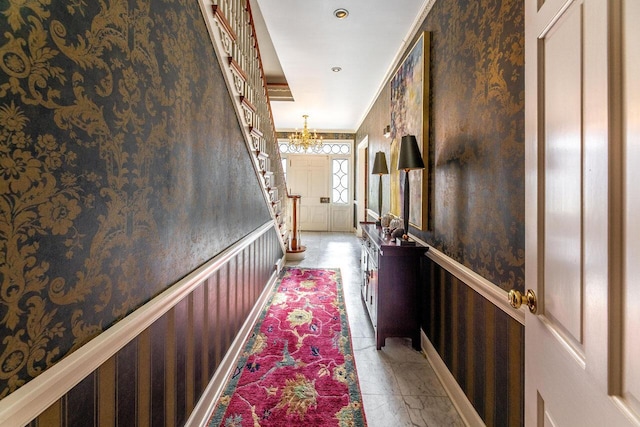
column 305, row 139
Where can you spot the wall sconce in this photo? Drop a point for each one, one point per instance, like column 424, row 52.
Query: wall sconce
column 380, row 168
column 408, row 159
column 387, row 131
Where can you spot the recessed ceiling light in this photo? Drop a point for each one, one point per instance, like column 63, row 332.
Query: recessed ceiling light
column 341, row 13
column 336, row 69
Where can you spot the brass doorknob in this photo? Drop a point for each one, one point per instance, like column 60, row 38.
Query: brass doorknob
column 516, row 299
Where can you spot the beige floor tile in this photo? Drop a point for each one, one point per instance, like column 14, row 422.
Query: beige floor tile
column 432, row 411
column 386, row 411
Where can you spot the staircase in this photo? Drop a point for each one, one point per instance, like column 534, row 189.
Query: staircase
column 233, row 34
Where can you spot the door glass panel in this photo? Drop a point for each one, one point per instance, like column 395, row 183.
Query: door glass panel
column 340, row 181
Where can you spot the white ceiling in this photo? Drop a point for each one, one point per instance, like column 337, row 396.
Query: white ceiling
column 300, row 41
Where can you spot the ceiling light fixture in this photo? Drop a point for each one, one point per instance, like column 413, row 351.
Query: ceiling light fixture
column 305, row 139
column 341, row 13
column 336, row 69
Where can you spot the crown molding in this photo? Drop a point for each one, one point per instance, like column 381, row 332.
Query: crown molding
column 427, row 5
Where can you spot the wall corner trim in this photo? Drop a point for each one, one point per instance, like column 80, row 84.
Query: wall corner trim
column 464, row 407
column 489, row 290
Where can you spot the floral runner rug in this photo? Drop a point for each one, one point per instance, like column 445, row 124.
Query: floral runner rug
column 297, row 367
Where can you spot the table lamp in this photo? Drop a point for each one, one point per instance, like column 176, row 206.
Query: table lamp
column 408, row 159
column 380, row 168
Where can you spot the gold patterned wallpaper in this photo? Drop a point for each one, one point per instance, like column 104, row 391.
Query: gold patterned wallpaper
column 121, row 160
column 476, row 135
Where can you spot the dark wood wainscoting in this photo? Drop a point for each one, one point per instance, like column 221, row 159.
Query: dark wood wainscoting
column 158, row 377
column 482, row 346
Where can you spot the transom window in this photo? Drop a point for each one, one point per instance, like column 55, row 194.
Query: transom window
column 327, row 148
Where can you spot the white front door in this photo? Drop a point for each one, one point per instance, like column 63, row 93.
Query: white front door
column 309, row 177
column 582, row 352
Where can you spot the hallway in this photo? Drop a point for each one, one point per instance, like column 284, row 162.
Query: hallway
column 398, row 385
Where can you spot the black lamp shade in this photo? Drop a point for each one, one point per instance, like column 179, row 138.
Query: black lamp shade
column 409, row 157
column 380, row 164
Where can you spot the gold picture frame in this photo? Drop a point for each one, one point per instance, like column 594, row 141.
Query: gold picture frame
column 410, row 116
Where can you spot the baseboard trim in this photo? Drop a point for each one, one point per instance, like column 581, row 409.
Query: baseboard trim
column 202, row 411
column 280, row 263
column 464, row 407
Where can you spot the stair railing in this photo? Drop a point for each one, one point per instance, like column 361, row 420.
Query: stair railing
column 233, row 34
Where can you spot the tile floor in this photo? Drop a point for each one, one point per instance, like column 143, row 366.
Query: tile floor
column 398, row 385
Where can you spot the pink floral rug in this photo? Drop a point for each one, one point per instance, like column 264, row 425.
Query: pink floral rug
column 297, row 367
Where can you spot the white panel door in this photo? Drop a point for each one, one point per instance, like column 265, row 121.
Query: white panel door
column 582, row 360
column 630, row 292
column 309, row 177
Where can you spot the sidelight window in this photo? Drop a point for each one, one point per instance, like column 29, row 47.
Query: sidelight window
column 340, row 184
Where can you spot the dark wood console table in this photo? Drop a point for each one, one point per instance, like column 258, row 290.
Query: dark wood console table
column 389, row 288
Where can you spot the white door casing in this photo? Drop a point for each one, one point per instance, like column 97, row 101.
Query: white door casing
column 361, row 187
column 576, row 211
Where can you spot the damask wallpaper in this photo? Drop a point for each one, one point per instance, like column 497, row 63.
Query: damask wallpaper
column 122, row 168
column 478, row 126
column 476, row 136
column 477, row 195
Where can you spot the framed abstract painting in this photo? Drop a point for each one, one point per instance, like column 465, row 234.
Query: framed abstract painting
column 410, row 116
